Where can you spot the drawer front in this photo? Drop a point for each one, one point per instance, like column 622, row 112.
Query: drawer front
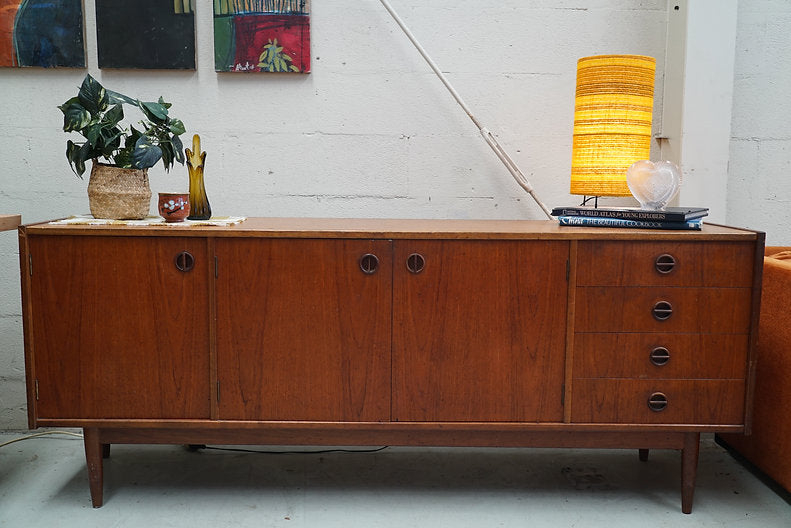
column 712, row 264
column 710, row 402
column 660, row 356
column 647, row 309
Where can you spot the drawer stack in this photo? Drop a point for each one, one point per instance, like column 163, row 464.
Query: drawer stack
column 661, row 332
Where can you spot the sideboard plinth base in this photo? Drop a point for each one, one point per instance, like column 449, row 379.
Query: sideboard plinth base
column 98, row 441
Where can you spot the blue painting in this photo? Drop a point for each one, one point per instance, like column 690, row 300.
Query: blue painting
column 44, row 33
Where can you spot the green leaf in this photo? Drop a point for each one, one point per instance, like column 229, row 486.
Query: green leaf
column 104, row 140
column 75, row 117
column 178, row 146
column 167, row 154
column 131, row 139
column 294, row 68
column 71, row 147
column 123, row 159
column 146, row 154
column 93, row 133
column 115, row 98
column 71, row 155
column 79, row 168
column 154, row 111
column 77, row 156
column 113, row 116
column 176, row 126
column 93, row 96
column 84, row 154
column 112, row 135
column 71, row 101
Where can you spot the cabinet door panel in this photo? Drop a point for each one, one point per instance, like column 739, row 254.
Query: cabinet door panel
column 118, row 331
column 303, row 333
column 479, row 332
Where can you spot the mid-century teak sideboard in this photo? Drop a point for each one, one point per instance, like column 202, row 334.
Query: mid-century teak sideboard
column 391, row 332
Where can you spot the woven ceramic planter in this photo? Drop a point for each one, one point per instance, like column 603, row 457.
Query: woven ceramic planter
column 119, row 194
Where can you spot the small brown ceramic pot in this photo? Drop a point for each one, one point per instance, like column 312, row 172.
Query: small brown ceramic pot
column 174, row 207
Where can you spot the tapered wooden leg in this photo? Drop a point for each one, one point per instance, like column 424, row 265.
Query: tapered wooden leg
column 93, row 457
column 643, row 454
column 689, row 469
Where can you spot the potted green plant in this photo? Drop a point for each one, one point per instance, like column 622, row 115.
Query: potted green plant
column 118, row 186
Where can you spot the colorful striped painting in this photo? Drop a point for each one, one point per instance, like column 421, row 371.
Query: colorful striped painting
column 262, row 36
column 146, row 34
column 45, row 33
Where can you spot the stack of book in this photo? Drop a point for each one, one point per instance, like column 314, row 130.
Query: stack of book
column 667, row 218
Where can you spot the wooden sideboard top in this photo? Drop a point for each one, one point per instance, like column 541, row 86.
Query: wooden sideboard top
column 398, row 229
column 8, row 222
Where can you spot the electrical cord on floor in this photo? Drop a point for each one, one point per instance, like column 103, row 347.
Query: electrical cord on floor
column 196, row 447
column 321, row 452
column 43, row 433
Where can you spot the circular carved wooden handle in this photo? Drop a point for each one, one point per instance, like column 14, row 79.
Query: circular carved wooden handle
column 415, row 263
column 662, row 310
column 369, row 263
column 665, row 263
column 657, row 402
column 185, row 261
column 659, row 356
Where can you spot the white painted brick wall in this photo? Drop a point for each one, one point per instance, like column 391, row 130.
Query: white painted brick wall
column 369, row 133
column 759, row 179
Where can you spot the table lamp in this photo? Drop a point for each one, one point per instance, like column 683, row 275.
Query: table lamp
column 613, row 108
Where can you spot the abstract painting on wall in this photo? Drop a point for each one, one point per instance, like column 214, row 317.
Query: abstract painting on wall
column 262, row 36
column 146, row 34
column 45, row 33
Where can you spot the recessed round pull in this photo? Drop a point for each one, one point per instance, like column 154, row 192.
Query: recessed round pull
column 415, row 263
column 185, row 261
column 369, row 263
column 657, row 402
column 665, row 263
column 659, row 356
column 662, row 310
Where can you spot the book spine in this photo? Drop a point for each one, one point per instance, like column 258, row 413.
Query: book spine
column 622, row 222
column 648, row 216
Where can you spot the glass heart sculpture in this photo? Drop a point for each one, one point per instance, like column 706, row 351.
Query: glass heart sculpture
column 654, row 184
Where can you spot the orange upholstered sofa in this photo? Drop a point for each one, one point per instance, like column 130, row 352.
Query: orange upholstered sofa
column 769, row 446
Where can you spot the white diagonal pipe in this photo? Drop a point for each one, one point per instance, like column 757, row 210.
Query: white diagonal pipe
column 502, row 155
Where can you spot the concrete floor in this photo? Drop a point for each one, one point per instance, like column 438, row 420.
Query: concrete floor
column 43, row 483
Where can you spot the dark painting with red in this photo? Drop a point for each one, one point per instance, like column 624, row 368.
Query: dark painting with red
column 262, row 36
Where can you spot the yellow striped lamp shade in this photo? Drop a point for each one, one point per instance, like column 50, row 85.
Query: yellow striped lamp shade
column 612, row 121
